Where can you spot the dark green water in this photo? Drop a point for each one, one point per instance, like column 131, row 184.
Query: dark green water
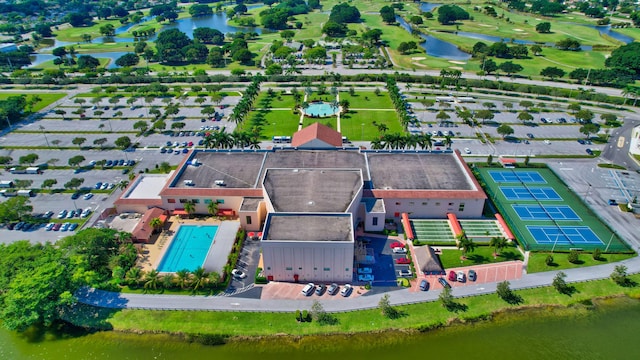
column 609, row 332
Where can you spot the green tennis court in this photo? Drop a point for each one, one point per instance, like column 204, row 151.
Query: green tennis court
column 433, row 232
column 481, row 231
column 540, row 233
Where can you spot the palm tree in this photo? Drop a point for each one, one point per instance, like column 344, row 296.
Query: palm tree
column 156, row 224
column 447, row 141
column 465, row 244
column 199, row 278
column 151, row 280
column 183, row 277
column 133, row 276
column 167, row 281
column 212, row 208
column 498, row 243
column 189, row 208
column 122, row 184
column 214, row 278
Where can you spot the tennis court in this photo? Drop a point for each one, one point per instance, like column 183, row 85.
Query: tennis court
column 564, row 235
column 481, row 231
column 546, row 216
column 521, row 193
column 545, row 212
column 528, row 177
column 433, row 232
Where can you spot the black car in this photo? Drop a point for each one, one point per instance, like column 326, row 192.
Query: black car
column 443, row 282
column 75, row 195
column 589, row 151
column 320, row 289
column 333, row 289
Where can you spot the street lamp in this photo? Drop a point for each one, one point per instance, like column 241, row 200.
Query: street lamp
column 45, row 135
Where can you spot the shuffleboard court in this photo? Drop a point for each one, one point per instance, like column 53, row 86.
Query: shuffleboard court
column 529, row 177
column 545, row 212
column 512, row 193
column 564, row 235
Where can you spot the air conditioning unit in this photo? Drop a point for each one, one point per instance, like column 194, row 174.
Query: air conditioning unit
column 195, row 162
column 219, row 182
column 188, row 182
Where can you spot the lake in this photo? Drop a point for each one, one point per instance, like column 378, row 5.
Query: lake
column 608, row 332
column 436, row 47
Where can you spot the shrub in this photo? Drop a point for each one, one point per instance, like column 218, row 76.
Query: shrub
column 549, row 260
column 597, row 254
column 298, row 316
column 573, row 257
column 305, row 315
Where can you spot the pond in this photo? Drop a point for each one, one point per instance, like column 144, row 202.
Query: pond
column 608, row 332
column 37, row 59
column 436, row 47
column 320, row 109
column 426, row 7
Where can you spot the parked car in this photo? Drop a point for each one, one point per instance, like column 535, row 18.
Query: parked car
column 424, row 285
column 48, row 214
column 320, row 289
column 452, row 276
column 472, row 275
column 87, row 196
column 19, row 226
column 75, row 195
column 98, row 185
column 28, row 226
column 613, row 202
column 86, row 213
column 346, row 290
column 396, row 244
column 49, row 226
column 71, row 214
column 308, row 289
column 62, row 214
column 399, row 250
column 333, row 289
column 443, row 282
column 65, row 226
column 467, row 151
column 239, row 274
column 530, row 135
column 404, row 272
column 73, row 226
column 403, row 260
column 589, row 151
column 547, row 142
column 57, row 226
column 104, row 186
column 580, row 141
column 461, row 277
column 365, row 270
column 365, row 277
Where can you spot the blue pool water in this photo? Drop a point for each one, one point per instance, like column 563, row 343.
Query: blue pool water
column 188, row 249
column 321, row 109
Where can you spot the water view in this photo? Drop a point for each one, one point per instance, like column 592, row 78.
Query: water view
column 436, row 47
column 605, row 333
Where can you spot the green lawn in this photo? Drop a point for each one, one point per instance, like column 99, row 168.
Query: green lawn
column 75, row 33
column 275, row 123
column 358, row 125
column 450, row 258
column 537, row 261
column 277, row 101
column 47, row 98
column 50, row 65
column 367, row 100
column 422, row 315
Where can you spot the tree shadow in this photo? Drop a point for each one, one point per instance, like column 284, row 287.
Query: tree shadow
column 456, row 307
column 513, row 299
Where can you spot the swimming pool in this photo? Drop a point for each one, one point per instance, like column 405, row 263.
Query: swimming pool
column 188, row 249
column 320, row 109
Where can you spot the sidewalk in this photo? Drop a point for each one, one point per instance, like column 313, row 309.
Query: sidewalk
column 367, row 301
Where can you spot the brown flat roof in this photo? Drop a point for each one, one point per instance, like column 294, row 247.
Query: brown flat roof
column 308, row 227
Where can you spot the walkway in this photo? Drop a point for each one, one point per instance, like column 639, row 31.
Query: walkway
column 337, row 303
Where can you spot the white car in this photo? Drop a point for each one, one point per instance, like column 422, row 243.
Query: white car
column 86, row 212
column 238, row 274
column 62, row 214
column 308, row 289
column 547, row 142
column 346, row 290
column 405, row 272
column 467, row 151
column 399, row 250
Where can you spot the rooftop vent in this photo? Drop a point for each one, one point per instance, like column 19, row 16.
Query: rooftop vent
column 220, row 183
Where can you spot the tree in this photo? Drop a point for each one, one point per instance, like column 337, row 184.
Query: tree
column 100, row 141
column 129, row 59
column 584, row 115
column 388, row 14
column 87, row 62
column 625, row 57
column 4, row 160
column 164, row 167
column 319, row 315
column 344, row 13
column 569, row 44
column 123, row 142
column 156, row 223
column 141, row 125
column 28, row 159
column 199, row 278
column 446, row 298
column 406, row 47
column 619, row 275
column 489, row 66
column 151, row 279
column 183, row 276
column 552, row 72
column 498, row 243
column 561, row 285
column 505, row 293
column 484, row 115
column 212, row 208
column 386, row 309
column 78, row 141
column 597, row 254
column 524, row 117
column 543, row 27
column 74, row 183
column 588, row 129
column 536, row 49
column 510, row 67
column 48, row 183
column 449, row 14
column 76, row 160
column 189, row 208
column 208, row 36
column 505, row 130
column 169, row 45
column 465, row 244
column 573, row 257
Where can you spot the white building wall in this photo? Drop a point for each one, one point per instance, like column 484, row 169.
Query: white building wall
column 132, row 208
column 312, row 261
column 368, row 222
column 434, row 208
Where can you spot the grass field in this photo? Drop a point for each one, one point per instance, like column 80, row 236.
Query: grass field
column 46, row 98
column 422, row 315
column 50, row 65
column 537, row 261
column 450, row 258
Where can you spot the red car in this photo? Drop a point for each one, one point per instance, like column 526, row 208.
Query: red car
column 57, row 226
column 403, row 260
column 452, row 275
column 396, row 244
column 190, row 143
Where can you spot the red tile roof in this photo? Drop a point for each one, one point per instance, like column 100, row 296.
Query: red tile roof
column 142, row 231
column 317, row 131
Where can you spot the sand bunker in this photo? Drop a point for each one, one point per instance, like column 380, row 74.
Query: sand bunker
column 457, row 62
column 418, row 58
column 455, row 68
column 519, row 30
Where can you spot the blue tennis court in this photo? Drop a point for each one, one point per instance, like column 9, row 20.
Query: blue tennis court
column 530, row 177
column 564, row 235
column 545, row 212
column 521, row 193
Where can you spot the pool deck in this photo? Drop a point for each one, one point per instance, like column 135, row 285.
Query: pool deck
column 151, row 254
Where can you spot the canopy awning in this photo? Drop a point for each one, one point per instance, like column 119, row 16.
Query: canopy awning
column 179, row 212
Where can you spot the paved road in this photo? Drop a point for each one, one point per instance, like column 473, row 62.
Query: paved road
column 369, row 300
column 617, row 151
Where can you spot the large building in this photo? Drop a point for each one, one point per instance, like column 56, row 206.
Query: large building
column 308, row 202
